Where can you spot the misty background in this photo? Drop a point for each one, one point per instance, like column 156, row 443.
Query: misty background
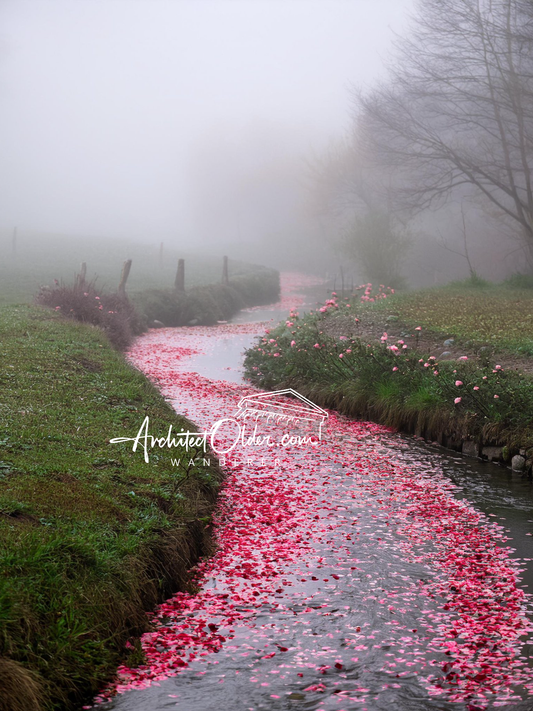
column 202, row 124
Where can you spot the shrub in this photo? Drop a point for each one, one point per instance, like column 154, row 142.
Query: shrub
column 113, row 313
column 378, row 246
column 206, row 305
column 520, row 281
column 121, row 319
column 385, row 382
column 474, row 281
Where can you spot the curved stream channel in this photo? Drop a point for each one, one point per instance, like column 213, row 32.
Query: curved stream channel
column 363, row 570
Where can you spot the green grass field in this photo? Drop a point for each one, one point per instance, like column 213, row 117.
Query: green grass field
column 90, row 535
column 497, row 314
column 41, row 258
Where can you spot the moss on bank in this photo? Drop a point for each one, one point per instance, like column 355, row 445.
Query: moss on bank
column 91, row 536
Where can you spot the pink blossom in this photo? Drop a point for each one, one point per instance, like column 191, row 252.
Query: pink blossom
column 457, row 400
column 496, row 397
column 476, row 387
column 316, row 345
column 418, row 328
column 394, row 369
column 463, row 358
column 293, row 343
column 250, row 566
column 341, row 355
column 458, row 382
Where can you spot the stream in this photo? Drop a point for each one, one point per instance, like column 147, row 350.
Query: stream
column 354, row 568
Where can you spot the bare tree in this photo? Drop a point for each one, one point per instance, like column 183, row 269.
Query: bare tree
column 457, row 114
column 465, row 253
column 350, row 193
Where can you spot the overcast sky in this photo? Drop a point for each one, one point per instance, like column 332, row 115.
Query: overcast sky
column 113, row 109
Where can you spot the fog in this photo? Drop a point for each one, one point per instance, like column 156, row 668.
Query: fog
column 188, row 121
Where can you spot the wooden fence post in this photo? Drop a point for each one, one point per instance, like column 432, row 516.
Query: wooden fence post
column 179, row 282
column 124, row 277
column 80, row 279
column 225, row 273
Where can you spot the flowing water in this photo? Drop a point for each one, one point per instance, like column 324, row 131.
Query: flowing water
column 359, row 570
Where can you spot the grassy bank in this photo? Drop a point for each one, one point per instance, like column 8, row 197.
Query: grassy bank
column 205, row 305
column 91, row 536
column 476, row 313
column 386, row 360
column 122, row 318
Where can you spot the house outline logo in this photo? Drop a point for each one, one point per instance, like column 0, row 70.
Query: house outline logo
column 264, row 406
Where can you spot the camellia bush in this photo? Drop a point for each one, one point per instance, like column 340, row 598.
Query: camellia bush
column 389, row 381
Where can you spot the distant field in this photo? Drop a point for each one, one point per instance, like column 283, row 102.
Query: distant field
column 40, row 259
column 495, row 314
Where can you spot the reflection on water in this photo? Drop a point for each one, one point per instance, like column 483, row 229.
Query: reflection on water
column 505, row 496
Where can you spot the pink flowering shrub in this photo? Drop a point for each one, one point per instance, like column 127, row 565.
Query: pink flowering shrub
column 383, row 378
column 113, row 313
column 370, row 293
